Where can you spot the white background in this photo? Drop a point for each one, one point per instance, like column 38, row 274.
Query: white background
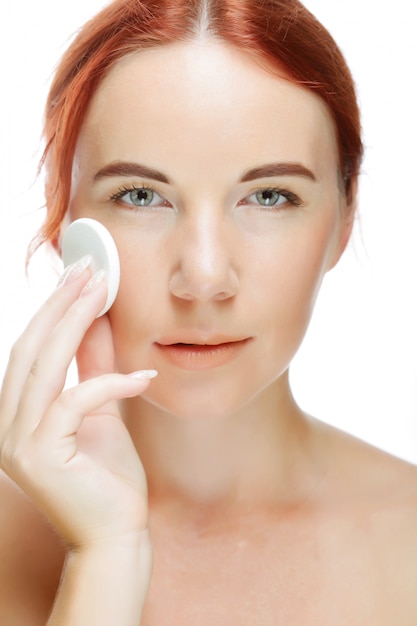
column 357, row 368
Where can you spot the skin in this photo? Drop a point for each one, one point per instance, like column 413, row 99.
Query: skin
column 307, row 524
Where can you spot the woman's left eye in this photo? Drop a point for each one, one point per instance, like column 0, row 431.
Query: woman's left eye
column 271, row 197
column 138, row 197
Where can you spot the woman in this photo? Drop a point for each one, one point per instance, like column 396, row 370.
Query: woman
column 219, row 142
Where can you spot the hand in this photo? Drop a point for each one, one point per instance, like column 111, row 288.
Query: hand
column 70, row 450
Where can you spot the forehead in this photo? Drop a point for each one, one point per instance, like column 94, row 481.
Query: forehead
column 205, row 99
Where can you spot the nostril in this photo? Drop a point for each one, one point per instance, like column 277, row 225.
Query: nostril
column 222, row 296
column 201, row 280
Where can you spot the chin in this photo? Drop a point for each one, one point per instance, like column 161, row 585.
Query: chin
column 199, row 402
column 205, row 399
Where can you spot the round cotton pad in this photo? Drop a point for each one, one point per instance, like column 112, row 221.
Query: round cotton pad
column 87, row 236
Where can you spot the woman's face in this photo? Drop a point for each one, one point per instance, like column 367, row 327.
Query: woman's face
column 219, row 183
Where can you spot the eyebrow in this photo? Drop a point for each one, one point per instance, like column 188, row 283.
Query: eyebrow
column 278, row 169
column 127, row 168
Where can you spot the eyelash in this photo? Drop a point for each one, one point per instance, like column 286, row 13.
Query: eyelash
column 123, row 191
column 290, row 197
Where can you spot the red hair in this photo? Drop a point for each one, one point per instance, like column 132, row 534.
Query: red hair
column 281, row 32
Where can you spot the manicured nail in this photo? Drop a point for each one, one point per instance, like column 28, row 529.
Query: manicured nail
column 73, row 271
column 144, row 374
column 93, row 283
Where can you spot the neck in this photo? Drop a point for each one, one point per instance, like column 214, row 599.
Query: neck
column 236, row 460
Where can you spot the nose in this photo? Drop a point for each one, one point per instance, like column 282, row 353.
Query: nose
column 205, row 268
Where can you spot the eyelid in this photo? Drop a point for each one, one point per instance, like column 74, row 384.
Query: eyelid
column 130, row 187
column 291, row 197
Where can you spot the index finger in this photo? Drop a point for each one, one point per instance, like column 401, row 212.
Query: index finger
column 36, row 333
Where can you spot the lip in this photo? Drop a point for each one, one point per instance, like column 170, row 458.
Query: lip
column 201, row 354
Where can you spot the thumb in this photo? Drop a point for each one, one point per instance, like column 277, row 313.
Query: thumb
column 95, row 355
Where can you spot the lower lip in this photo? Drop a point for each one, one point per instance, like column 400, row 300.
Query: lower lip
column 196, row 357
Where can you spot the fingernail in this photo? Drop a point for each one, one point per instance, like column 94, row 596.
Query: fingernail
column 144, row 374
column 73, row 271
column 93, row 283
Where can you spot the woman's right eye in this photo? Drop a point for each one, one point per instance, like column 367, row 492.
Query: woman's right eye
column 138, row 197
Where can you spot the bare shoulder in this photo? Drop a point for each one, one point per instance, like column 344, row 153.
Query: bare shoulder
column 381, row 492
column 31, row 560
column 369, row 476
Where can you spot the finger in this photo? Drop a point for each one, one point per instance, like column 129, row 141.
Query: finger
column 30, row 342
column 47, row 376
column 95, row 355
column 59, row 427
column 53, row 444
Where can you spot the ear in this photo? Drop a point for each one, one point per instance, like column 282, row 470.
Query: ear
column 347, row 220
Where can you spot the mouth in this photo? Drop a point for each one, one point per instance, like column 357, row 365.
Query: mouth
column 198, row 356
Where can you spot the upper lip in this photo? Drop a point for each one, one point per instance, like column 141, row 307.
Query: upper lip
column 200, row 339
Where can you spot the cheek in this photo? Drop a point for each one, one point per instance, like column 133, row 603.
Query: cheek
column 288, row 272
column 141, row 300
column 284, row 296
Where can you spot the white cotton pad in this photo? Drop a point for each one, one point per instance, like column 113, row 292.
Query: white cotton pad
column 87, row 236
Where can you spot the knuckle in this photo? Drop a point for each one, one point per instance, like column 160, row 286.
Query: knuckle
column 4, row 457
column 20, row 354
column 16, row 351
column 67, row 400
column 34, row 369
column 15, row 459
column 65, row 406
